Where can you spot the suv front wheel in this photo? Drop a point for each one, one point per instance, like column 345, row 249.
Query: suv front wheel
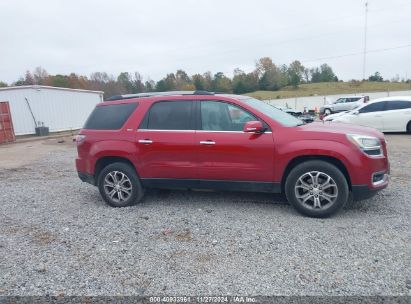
column 119, row 185
column 316, row 188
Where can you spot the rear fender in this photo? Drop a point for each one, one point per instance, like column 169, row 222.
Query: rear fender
column 114, row 148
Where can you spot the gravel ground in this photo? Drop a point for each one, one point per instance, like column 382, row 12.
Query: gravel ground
column 57, row 237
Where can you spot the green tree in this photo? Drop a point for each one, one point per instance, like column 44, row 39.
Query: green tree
column 244, row 83
column 327, row 73
column 199, row 82
column 149, row 86
column 323, row 74
column 3, row 84
column 376, row 77
column 183, row 81
column 59, row 81
column 125, row 80
column 221, row 83
column 295, row 73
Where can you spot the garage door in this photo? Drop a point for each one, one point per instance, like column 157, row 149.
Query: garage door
column 6, row 124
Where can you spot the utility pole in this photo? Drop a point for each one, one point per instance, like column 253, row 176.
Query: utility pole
column 365, row 40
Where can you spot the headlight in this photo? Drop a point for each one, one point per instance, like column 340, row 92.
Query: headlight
column 368, row 144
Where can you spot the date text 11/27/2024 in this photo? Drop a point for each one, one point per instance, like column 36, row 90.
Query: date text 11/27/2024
column 205, row 299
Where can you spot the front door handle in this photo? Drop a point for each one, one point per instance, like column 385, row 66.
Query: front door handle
column 207, row 142
column 145, row 141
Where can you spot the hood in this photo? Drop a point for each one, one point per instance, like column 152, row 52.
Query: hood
column 332, row 116
column 333, row 130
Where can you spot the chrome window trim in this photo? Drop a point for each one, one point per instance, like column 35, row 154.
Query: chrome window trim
column 160, row 130
column 215, row 131
column 199, row 131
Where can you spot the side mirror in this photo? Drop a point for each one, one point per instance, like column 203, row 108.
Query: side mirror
column 253, row 126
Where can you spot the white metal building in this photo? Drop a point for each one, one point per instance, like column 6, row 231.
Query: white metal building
column 60, row 109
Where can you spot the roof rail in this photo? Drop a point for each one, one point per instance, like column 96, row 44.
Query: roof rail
column 151, row 94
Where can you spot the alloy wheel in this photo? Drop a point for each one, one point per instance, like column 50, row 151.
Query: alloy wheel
column 316, row 190
column 117, row 186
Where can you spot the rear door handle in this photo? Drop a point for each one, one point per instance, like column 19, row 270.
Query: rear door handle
column 145, row 141
column 207, row 142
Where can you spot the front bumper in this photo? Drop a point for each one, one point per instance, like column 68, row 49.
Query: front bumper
column 362, row 192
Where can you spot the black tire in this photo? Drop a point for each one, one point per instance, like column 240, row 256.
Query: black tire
column 337, row 188
column 409, row 127
column 133, row 183
column 327, row 111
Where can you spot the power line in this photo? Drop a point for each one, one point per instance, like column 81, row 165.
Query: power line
column 359, row 53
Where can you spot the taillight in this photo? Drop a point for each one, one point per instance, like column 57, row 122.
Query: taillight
column 80, row 138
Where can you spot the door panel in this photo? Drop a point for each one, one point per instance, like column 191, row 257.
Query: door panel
column 371, row 115
column 371, row 119
column 235, row 156
column 397, row 115
column 227, row 153
column 166, row 141
column 167, row 154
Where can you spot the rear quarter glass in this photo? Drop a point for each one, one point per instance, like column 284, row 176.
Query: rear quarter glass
column 110, row 117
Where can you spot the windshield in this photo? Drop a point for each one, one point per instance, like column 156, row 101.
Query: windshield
column 282, row 117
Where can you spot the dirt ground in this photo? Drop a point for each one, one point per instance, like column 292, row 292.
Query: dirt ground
column 24, row 152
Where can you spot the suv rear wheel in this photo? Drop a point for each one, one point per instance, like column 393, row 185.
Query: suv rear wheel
column 119, row 185
column 316, row 188
column 327, row 111
column 409, row 127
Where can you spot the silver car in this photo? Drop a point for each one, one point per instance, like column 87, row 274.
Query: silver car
column 345, row 103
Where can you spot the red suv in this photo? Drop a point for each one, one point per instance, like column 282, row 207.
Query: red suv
column 202, row 140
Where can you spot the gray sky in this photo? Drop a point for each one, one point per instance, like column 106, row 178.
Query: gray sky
column 156, row 37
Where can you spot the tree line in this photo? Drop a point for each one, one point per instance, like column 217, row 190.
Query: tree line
column 266, row 76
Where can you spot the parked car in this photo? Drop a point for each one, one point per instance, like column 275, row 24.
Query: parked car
column 345, row 103
column 305, row 117
column 335, row 115
column 202, row 140
column 390, row 114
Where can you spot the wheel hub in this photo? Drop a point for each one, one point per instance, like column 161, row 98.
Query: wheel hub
column 316, row 190
column 117, row 186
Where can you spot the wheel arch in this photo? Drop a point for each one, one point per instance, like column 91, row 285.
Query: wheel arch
column 300, row 159
column 104, row 161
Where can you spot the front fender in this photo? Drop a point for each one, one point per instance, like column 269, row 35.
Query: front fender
column 289, row 151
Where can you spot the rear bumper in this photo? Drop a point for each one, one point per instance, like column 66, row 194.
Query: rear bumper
column 87, row 178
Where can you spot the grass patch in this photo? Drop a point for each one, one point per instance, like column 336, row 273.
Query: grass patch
column 331, row 88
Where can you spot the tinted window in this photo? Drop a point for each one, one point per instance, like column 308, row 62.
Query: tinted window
column 374, row 107
column 221, row 116
column 282, row 117
column 110, row 117
column 170, row 115
column 352, row 99
column 398, row 105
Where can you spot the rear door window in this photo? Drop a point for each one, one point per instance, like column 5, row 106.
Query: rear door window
column 110, row 117
column 398, row 105
column 169, row 115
